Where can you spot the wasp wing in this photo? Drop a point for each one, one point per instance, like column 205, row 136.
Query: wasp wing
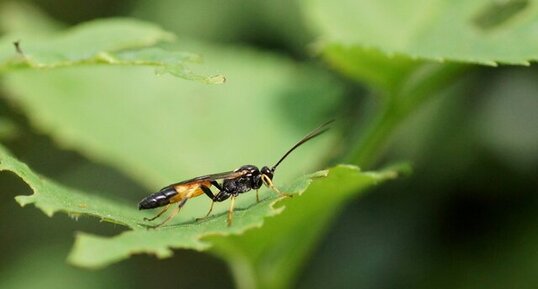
column 212, row 177
column 185, row 190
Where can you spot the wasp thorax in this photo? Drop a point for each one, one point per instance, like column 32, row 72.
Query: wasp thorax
column 251, row 170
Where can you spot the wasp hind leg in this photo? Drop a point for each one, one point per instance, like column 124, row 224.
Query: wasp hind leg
column 159, row 214
column 209, row 193
column 267, row 181
column 208, row 213
column 173, row 214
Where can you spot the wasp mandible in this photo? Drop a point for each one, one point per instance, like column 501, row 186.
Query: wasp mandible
column 233, row 183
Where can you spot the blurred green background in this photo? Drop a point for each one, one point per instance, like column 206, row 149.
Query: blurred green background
column 466, row 218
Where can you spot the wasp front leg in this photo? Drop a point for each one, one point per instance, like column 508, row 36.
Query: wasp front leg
column 267, row 181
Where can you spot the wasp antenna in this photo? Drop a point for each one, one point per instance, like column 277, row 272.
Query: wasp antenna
column 317, row 131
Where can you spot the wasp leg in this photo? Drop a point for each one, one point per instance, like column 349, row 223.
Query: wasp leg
column 159, row 214
column 173, row 214
column 230, row 211
column 257, row 196
column 208, row 213
column 267, row 181
column 209, row 193
column 214, row 183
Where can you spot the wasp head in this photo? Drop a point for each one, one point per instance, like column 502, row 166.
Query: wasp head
column 268, row 172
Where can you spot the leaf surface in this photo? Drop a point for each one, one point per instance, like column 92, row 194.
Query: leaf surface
column 115, row 41
column 483, row 31
column 95, row 251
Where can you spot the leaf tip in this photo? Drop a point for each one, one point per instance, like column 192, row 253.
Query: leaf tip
column 349, row 167
column 319, row 174
column 397, row 170
column 24, row 200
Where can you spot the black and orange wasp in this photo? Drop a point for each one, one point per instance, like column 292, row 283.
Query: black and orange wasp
column 235, row 182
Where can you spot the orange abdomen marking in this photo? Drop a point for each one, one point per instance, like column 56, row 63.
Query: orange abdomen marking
column 188, row 191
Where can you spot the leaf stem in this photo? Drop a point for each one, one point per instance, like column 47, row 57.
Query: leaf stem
column 368, row 145
column 242, row 272
column 419, row 86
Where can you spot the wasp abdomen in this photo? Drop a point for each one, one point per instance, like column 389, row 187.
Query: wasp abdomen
column 157, row 199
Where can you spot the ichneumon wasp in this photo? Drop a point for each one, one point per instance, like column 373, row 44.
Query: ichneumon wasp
column 233, row 183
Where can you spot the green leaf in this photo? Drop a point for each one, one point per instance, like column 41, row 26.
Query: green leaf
column 105, row 41
column 160, row 130
column 272, row 257
column 483, row 31
column 403, row 86
column 187, row 235
column 370, row 66
column 94, row 251
column 359, row 44
column 51, row 197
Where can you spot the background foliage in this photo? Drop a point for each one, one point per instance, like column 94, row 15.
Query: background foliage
column 99, row 111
